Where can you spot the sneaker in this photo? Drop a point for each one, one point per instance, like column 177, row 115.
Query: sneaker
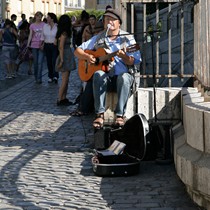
column 64, row 102
column 50, row 80
column 55, row 79
column 14, row 75
column 8, row 77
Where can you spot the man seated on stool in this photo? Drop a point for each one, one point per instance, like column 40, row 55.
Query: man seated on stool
column 115, row 75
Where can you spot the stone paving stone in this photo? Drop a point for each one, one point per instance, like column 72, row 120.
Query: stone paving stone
column 45, row 159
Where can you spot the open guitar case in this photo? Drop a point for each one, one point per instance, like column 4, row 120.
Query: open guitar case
column 133, row 134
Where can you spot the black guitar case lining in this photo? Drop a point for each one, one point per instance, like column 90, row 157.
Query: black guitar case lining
column 133, row 134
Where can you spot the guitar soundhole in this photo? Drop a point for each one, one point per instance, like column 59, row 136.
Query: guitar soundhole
column 97, row 61
column 86, row 67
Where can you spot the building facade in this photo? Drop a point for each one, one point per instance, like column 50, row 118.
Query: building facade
column 72, row 5
column 99, row 4
column 30, row 7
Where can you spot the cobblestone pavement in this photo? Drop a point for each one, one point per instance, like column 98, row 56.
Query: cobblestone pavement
column 45, row 159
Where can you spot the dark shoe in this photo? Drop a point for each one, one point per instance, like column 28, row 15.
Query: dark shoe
column 50, row 80
column 64, row 102
column 77, row 113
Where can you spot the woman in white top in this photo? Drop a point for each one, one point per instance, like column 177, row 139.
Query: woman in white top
column 50, row 46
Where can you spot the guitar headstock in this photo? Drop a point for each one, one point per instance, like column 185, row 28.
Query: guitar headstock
column 133, row 48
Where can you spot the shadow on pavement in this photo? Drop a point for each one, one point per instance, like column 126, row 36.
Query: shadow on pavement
column 46, row 160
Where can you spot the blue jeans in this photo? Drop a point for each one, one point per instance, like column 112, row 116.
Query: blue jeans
column 38, row 56
column 102, row 83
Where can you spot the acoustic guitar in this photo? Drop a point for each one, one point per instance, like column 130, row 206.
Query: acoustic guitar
column 86, row 70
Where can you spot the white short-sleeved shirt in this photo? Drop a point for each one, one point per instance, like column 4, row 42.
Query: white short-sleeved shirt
column 49, row 34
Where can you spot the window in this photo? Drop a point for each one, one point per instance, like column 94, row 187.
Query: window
column 47, row 8
column 42, row 6
column 32, row 7
column 59, row 9
column 105, row 2
column 19, row 7
column 55, row 8
column 71, row 3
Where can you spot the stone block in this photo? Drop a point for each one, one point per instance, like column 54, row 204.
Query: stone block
column 185, row 160
column 168, row 103
column 194, row 97
column 203, row 175
column 207, row 131
column 194, row 127
column 111, row 101
column 188, row 90
column 190, row 97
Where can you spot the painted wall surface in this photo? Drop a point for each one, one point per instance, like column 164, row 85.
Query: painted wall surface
column 30, row 7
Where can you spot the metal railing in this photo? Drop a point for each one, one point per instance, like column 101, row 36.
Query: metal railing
column 166, row 39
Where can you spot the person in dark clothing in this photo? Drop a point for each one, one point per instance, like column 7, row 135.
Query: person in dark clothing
column 65, row 62
column 50, row 45
column 13, row 19
column 79, row 27
column 25, row 53
column 85, row 99
column 23, row 20
column 9, row 35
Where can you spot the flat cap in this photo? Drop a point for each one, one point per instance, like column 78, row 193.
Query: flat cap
column 113, row 13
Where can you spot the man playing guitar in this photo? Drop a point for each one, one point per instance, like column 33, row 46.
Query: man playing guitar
column 113, row 74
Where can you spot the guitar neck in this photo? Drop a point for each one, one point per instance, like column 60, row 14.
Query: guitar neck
column 131, row 48
column 107, row 57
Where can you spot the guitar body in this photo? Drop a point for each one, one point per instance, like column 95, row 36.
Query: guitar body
column 85, row 69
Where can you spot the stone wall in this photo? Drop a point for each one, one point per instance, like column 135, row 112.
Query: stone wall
column 190, row 115
column 192, row 146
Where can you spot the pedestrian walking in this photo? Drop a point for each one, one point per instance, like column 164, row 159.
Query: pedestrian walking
column 9, row 35
column 25, row 54
column 50, row 46
column 36, row 44
column 23, row 19
column 13, row 19
column 65, row 62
